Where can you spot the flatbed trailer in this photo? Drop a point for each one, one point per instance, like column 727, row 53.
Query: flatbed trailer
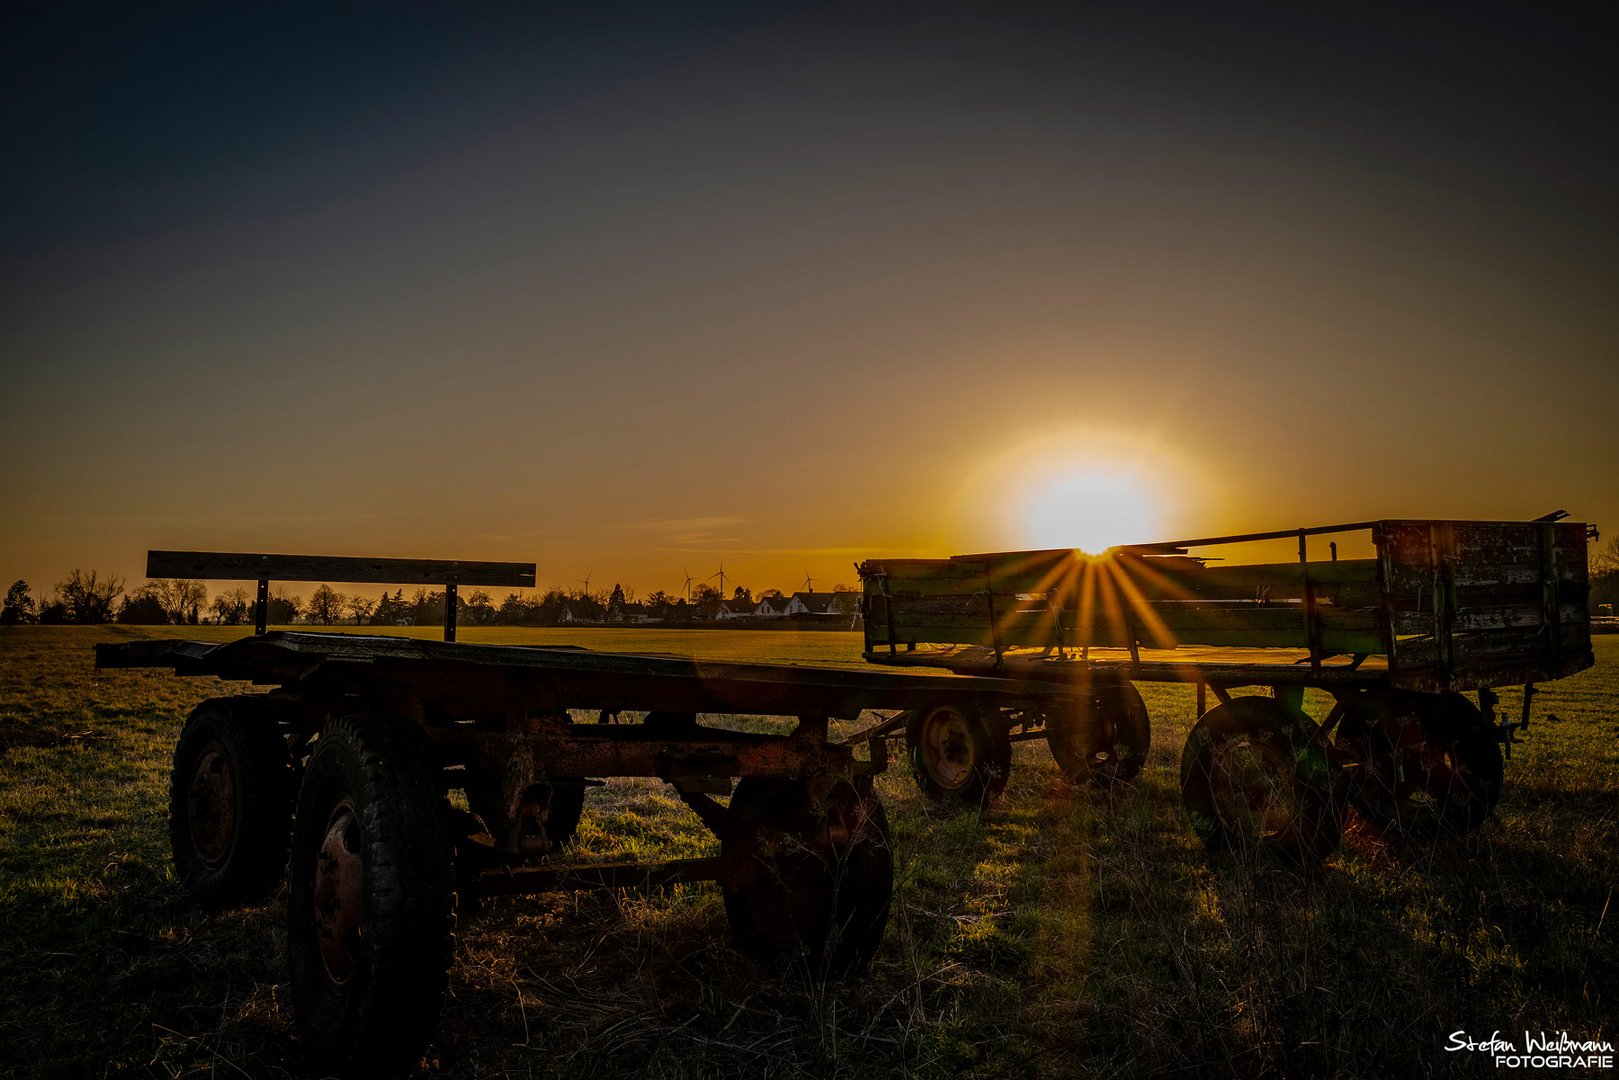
column 337, row 779
column 1435, row 609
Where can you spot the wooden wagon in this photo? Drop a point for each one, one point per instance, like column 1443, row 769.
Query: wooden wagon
column 338, row 781
column 1432, row 609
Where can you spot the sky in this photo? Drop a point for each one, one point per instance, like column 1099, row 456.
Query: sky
column 626, row 291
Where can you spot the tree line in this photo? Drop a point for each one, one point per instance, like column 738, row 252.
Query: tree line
column 1605, row 579
column 87, row 596
column 90, row 597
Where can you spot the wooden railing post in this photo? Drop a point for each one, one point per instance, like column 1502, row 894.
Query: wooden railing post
column 261, row 607
column 449, row 611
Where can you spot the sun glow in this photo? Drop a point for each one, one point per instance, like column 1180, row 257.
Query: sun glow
column 1079, row 488
column 1090, row 510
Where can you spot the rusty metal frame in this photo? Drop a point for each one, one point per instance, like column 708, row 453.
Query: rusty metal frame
column 495, row 713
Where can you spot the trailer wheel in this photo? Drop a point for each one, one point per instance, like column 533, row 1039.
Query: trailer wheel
column 1252, row 778
column 1101, row 738
column 370, row 929
column 1422, row 763
column 230, row 802
column 567, row 807
column 807, row 881
column 958, row 753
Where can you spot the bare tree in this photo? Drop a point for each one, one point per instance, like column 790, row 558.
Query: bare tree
column 88, row 599
column 1605, row 560
column 231, row 607
column 480, row 608
column 1604, row 566
column 360, row 608
column 181, row 598
column 283, row 607
column 325, row 606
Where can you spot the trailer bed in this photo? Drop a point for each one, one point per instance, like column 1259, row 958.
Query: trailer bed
column 563, row 676
column 1439, row 606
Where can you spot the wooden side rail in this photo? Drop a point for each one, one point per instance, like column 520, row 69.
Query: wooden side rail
column 241, row 566
column 1462, row 599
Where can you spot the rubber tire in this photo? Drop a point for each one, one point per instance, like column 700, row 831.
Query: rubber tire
column 1447, row 721
column 989, row 750
column 250, row 744
column 800, row 900
column 567, row 807
column 1300, row 770
column 379, row 1021
column 1103, row 737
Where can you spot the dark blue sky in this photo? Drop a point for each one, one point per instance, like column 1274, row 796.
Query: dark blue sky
column 594, row 279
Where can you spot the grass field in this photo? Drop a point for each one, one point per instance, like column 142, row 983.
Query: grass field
column 1065, row 932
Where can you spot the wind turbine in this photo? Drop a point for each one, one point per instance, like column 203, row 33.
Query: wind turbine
column 687, row 586
column 721, row 576
column 809, row 582
column 586, row 583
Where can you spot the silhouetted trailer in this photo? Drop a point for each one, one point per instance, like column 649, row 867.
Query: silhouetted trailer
column 1438, row 608
column 347, row 762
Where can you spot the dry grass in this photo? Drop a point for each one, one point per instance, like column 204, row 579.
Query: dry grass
column 1064, row 932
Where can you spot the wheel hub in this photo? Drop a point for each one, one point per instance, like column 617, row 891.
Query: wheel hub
column 947, row 748
column 211, row 806
column 1253, row 788
column 340, row 893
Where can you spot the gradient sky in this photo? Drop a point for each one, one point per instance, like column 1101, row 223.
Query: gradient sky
column 624, row 290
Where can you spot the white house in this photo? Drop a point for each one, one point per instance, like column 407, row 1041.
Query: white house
column 814, row 603
column 772, row 607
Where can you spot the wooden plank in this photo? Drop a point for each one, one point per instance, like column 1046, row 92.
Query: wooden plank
column 975, row 609
column 920, row 587
column 1413, row 622
column 1347, row 594
column 1018, row 629
column 1509, row 616
column 1487, row 617
column 977, row 604
column 1405, row 578
column 1477, row 543
column 1184, row 579
column 897, row 570
column 1039, row 629
column 227, row 565
column 1190, row 619
column 1344, row 572
column 1500, row 644
column 1140, row 579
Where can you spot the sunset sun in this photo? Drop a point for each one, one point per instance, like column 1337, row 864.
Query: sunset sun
column 1090, row 510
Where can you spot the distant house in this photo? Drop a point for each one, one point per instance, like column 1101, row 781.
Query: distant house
column 813, row 603
column 772, row 607
column 672, row 612
column 632, row 613
column 735, row 609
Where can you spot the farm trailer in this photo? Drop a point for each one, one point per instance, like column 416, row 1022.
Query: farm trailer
column 338, row 780
column 1441, row 608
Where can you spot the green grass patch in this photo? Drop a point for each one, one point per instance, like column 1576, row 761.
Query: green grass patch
column 1063, row 932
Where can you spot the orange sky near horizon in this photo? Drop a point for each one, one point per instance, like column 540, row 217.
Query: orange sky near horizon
column 794, row 287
